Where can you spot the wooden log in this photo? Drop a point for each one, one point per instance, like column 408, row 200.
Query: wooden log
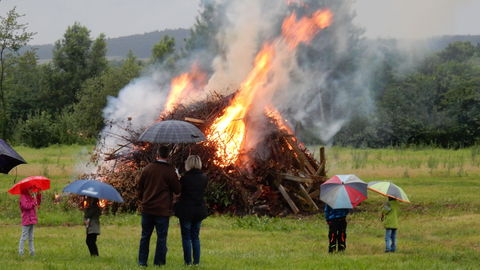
column 288, row 199
column 296, row 178
column 323, row 161
column 194, row 120
column 314, row 194
column 304, row 192
column 301, row 156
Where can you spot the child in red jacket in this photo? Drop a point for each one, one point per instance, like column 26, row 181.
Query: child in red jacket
column 28, row 206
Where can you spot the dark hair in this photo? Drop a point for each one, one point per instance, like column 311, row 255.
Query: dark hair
column 163, row 151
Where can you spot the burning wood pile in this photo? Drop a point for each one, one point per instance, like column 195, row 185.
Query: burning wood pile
column 276, row 178
column 254, row 162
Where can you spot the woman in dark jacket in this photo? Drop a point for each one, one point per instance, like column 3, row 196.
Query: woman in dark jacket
column 191, row 209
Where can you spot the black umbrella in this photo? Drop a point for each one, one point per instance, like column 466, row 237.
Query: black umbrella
column 8, row 157
column 172, row 131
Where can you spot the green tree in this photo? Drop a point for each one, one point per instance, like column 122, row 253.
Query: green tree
column 202, row 34
column 97, row 61
column 24, row 87
column 164, row 50
column 13, row 36
column 75, row 60
column 87, row 113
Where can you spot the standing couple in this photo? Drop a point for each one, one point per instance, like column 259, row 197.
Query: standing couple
column 156, row 188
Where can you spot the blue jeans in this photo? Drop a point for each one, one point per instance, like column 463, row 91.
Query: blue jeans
column 190, row 240
column 161, row 226
column 390, row 240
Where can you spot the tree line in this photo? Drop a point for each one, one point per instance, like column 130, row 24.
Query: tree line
column 61, row 101
column 437, row 103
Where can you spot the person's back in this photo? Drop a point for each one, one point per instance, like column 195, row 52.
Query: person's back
column 390, row 222
column 390, row 212
column 92, row 223
column 193, row 185
column 191, row 208
column 337, row 228
column 157, row 184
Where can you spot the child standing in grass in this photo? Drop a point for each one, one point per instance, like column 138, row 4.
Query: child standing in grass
column 28, row 206
column 337, row 228
column 92, row 223
column 390, row 222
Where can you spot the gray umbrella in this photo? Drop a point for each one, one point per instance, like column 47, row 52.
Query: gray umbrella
column 172, row 131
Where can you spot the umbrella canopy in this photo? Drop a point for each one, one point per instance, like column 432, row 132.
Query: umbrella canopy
column 94, row 188
column 388, row 189
column 172, row 131
column 343, row 191
column 38, row 182
column 8, row 157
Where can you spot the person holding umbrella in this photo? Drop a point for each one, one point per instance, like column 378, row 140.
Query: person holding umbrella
column 156, row 186
column 29, row 202
column 337, row 228
column 93, row 190
column 390, row 222
column 340, row 193
column 91, row 220
column 389, row 215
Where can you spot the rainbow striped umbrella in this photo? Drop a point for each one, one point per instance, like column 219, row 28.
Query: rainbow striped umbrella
column 388, row 189
column 343, row 191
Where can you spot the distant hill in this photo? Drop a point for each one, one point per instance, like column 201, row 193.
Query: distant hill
column 440, row 43
column 140, row 44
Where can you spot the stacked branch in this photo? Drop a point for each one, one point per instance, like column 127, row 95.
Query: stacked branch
column 279, row 176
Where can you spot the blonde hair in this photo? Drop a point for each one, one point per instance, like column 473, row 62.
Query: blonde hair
column 193, row 162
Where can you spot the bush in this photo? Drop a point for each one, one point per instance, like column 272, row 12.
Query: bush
column 37, row 131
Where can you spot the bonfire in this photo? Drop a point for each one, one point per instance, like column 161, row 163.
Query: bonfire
column 254, row 162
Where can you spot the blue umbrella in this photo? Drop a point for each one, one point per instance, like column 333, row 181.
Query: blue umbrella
column 94, row 188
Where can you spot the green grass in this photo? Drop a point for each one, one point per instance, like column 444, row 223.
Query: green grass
column 440, row 229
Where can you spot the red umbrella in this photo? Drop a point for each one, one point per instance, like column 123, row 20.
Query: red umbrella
column 38, row 182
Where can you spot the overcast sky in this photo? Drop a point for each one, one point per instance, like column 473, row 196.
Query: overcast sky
column 380, row 18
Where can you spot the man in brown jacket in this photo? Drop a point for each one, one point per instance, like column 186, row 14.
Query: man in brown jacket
column 156, row 186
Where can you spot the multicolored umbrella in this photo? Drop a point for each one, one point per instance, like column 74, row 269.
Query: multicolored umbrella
column 343, row 191
column 38, row 182
column 388, row 189
column 94, row 188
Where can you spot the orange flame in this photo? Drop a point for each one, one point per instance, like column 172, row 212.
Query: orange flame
column 294, row 32
column 229, row 129
column 102, row 203
column 277, row 116
column 184, row 85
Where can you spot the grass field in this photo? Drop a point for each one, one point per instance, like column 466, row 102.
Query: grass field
column 439, row 230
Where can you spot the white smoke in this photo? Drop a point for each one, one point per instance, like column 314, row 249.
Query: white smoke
column 137, row 106
column 245, row 26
